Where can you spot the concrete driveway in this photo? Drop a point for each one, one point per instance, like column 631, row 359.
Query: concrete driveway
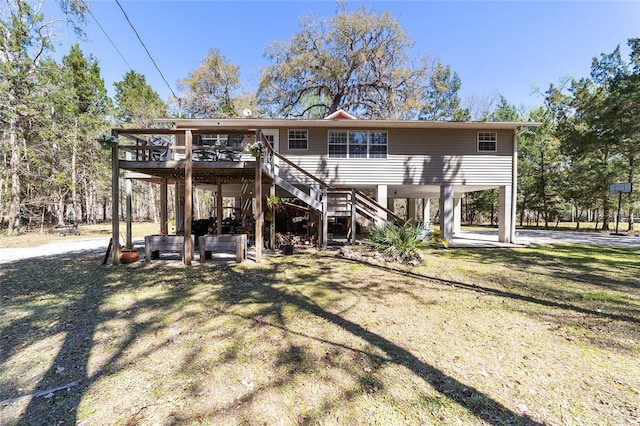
column 525, row 237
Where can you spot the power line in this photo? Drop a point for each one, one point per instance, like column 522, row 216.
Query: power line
column 145, row 48
column 109, row 38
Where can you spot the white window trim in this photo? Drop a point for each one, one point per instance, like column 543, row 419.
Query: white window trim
column 495, row 141
column 368, row 157
column 289, row 139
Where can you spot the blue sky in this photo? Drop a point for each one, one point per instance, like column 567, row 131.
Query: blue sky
column 505, row 47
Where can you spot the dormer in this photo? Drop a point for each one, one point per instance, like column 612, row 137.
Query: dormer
column 340, row 115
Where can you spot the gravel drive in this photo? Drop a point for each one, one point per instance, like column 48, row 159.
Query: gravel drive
column 97, row 245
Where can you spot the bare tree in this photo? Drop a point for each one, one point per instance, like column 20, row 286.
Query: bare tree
column 355, row 61
column 209, row 91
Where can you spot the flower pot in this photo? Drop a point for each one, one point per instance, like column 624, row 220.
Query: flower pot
column 128, row 255
column 287, row 249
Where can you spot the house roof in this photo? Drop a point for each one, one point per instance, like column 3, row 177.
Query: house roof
column 262, row 123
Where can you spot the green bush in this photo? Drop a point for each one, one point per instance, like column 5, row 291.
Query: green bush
column 400, row 243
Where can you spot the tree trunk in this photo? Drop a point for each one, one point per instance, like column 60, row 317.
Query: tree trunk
column 153, row 206
column 74, row 175
column 61, row 210
column 630, row 212
column 605, row 212
column 14, row 165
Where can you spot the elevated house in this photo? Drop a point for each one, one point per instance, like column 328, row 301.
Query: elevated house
column 337, row 167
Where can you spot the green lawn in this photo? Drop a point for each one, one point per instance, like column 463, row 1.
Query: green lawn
column 546, row 335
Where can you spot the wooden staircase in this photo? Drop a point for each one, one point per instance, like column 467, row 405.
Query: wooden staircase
column 328, row 202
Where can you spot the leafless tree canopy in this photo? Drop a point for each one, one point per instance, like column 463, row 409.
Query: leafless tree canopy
column 355, row 61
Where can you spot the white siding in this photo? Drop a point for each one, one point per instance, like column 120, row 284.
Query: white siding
column 425, row 157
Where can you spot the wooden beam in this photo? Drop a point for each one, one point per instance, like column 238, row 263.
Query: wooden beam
column 354, row 213
column 272, row 223
column 258, row 197
column 324, row 219
column 164, row 219
column 128, row 213
column 219, row 208
column 188, row 199
column 115, row 204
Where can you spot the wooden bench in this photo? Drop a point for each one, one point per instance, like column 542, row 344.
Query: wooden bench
column 154, row 244
column 234, row 244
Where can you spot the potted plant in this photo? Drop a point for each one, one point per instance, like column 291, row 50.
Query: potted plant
column 107, row 141
column 286, row 242
column 255, row 148
column 274, row 202
column 128, row 254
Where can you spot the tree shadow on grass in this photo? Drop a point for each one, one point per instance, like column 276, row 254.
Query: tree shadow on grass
column 562, row 301
column 65, row 296
column 262, row 289
column 584, row 264
column 559, row 300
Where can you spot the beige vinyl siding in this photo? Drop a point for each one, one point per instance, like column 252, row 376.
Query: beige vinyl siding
column 415, row 157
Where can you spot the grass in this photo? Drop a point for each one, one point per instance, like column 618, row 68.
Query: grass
column 546, row 335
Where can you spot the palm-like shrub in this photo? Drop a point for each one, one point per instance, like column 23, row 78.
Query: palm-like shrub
column 400, row 243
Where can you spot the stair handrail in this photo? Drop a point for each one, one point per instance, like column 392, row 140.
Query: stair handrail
column 379, row 206
column 368, row 201
column 273, row 153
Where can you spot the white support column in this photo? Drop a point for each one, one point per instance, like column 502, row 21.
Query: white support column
column 382, row 198
column 514, row 188
column 446, row 211
column 457, row 215
column 411, row 210
column 426, row 212
column 505, row 216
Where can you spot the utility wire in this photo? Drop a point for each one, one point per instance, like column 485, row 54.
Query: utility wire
column 109, row 38
column 145, row 48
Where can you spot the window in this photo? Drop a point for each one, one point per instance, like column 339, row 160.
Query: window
column 298, row 139
column 338, row 144
column 487, row 141
column 357, row 144
column 377, row 144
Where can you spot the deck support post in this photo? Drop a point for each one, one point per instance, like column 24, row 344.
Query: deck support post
column 258, row 197
column 353, row 223
column 324, row 226
column 188, row 199
column 219, row 207
column 129, row 241
column 164, row 225
column 115, row 203
column 272, row 222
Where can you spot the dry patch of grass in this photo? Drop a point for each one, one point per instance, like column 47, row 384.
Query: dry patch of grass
column 500, row 336
column 49, row 235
